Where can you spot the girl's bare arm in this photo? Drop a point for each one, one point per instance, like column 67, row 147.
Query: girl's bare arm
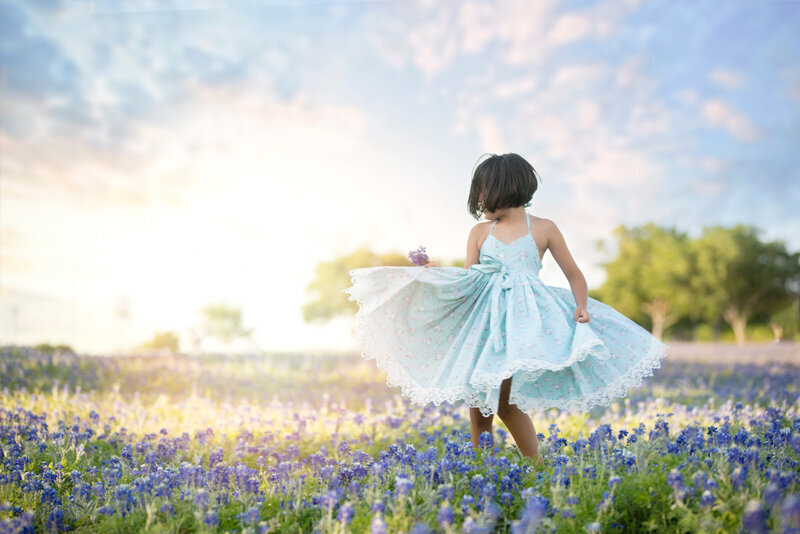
column 558, row 248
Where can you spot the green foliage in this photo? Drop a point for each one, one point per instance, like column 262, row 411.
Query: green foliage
column 754, row 333
column 703, row 332
column 162, row 340
column 47, row 348
column 650, row 274
column 737, row 275
column 788, row 319
column 332, row 277
column 224, row 323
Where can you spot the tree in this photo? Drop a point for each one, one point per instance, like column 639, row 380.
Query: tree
column 737, row 274
column 162, row 340
column 224, row 323
column 650, row 275
column 331, row 277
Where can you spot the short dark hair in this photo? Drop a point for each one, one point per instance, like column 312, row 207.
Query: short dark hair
column 507, row 180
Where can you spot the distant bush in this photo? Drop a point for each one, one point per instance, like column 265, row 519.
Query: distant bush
column 47, row 348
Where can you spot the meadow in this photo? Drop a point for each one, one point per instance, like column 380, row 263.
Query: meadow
column 319, row 443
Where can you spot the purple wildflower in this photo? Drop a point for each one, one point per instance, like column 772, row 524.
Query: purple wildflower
column 418, row 257
column 445, row 516
column 754, row 518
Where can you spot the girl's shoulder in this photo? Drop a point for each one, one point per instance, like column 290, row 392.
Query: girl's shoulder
column 543, row 222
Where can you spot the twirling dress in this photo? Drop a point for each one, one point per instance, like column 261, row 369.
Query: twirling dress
column 451, row 334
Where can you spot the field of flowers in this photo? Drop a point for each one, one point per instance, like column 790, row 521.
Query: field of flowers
column 319, row 443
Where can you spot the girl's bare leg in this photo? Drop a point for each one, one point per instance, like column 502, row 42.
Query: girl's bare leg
column 518, row 423
column 479, row 423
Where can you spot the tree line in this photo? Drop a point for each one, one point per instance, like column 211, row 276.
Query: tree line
column 726, row 283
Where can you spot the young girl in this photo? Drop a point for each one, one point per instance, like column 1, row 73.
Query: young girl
column 492, row 334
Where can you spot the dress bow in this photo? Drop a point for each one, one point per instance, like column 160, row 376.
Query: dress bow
column 495, row 266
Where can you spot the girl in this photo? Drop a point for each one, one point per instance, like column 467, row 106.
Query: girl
column 491, row 333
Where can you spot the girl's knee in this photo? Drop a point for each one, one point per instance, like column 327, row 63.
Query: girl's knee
column 504, row 410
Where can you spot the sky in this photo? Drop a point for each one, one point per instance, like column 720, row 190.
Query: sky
column 157, row 156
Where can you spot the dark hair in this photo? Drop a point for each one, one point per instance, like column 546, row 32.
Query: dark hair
column 507, row 180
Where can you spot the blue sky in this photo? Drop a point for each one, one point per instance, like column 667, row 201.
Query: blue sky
column 168, row 154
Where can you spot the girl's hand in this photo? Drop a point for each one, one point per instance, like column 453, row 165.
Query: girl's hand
column 432, row 264
column 581, row 315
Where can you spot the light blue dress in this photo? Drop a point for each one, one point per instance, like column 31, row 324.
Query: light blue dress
column 446, row 334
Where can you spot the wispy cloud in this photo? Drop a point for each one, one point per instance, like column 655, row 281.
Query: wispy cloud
column 727, row 78
column 718, row 113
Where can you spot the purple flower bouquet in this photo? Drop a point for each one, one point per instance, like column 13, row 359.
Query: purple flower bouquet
column 418, row 257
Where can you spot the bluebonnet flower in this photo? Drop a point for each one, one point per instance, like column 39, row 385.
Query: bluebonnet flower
column 330, row 499
column 613, row 481
column 201, row 498
column 377, row 526
column 739, row 476
column 445, row 515
column 607, row 500
column 55, row 519
column 675, row 479
column 215, row 457
column 533, row 512
column 754, row 519
column 790, row 511
column 471, row 526
column 249, row 517
column 403, row 485
column 345, row 513
column 212, row 518
column 772, row 493
column 466, row 501
column 707, row 499
column 420, row 528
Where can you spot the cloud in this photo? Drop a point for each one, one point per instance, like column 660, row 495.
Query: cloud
column 790, row 77
column 711, row 164
column 569, row 27
column 726, row 78
column 688, row 96
column 719, row 114
column 649, row 118
column 579, row 75
column 712, row 188
column 514, row 88
column 35, row 66
column 618, row 167
column 435, row 36
column 491, row 136
column 630, row 77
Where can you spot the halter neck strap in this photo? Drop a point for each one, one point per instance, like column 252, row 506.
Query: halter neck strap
column 527, row 221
